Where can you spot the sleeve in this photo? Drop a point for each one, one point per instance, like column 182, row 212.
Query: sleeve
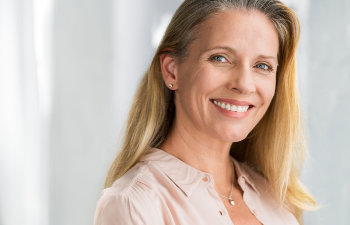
column 118, row 209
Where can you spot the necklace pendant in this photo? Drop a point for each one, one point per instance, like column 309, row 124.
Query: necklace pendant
column 231, row 202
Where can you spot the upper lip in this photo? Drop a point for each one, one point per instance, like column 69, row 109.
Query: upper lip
column 233, row 101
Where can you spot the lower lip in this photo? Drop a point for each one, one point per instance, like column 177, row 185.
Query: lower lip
column 232, row 114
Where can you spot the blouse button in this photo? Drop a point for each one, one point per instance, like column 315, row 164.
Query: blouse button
column 221, row 213
column 205, row 179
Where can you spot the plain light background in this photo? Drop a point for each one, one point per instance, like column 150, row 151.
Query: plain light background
column 69, row 70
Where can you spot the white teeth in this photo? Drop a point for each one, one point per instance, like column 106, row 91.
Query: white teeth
column 233, row 108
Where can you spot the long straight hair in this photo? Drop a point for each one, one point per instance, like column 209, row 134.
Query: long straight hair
column 275, row 147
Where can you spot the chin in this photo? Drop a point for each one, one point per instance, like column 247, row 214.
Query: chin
column 235, row 136
column 238, row 138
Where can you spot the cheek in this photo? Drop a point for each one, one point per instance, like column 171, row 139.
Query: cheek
column 269, row 97
column 267, row 91
column 199, row 82
column 208, row 81
column 193, row 87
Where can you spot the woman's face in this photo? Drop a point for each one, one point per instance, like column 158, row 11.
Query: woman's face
column 227, row 80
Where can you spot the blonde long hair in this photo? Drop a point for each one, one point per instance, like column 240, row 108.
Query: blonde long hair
column 276, row 145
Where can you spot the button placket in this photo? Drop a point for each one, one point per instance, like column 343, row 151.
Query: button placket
column 221, row 210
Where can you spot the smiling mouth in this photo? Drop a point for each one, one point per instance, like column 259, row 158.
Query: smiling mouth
column 241, row 108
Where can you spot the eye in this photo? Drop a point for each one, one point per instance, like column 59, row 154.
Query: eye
column 218, row 58
column 263, row 67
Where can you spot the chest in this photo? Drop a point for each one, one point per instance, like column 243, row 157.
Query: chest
column 240, row 214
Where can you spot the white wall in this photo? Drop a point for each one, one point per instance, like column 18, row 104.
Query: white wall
column 99, row 49
column 328, row 110
column 83, row 126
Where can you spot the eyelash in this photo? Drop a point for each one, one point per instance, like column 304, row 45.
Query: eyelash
column 269, row 68
column 214, row 58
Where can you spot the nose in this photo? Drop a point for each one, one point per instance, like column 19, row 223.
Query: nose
column 242, row 80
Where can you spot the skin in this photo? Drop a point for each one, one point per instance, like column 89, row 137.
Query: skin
column 233, row 57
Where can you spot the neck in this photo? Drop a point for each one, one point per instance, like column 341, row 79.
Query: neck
column 203, row 153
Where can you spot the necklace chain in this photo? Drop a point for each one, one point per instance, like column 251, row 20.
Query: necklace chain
column 229, row 198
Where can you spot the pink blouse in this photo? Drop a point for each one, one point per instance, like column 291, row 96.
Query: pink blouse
column 163, row 190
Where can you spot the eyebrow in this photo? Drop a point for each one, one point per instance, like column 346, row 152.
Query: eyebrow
column 268, row 57
column 217, row 48
column 233, row 51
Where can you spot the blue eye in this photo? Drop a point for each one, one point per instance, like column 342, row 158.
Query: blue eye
column 263, row 66
column 218, row 58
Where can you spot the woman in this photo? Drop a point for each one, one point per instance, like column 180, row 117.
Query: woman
column 214, row 134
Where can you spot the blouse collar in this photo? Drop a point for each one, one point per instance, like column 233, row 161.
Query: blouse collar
column 186, row 177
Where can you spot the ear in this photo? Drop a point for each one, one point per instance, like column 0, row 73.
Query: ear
column 168, row 65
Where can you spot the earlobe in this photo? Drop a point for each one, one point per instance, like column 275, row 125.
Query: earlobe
column 168, row 69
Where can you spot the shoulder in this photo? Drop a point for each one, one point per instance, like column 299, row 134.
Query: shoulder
column 130, row 200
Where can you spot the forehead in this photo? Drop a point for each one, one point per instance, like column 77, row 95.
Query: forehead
column 247, row 31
